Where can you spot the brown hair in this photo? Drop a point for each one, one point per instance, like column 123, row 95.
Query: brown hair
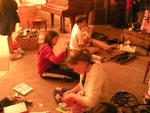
column 80, row 19
column 79, row 55
column 49, row 36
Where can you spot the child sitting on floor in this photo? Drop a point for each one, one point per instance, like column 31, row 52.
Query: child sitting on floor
column 49, row 63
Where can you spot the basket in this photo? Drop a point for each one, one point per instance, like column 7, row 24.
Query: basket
column 29, row 41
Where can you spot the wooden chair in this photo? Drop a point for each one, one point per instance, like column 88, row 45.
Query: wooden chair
column 37, row 21
column 146, row 71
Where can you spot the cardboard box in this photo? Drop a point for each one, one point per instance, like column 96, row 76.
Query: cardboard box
column 16, row 108
column 127, row 48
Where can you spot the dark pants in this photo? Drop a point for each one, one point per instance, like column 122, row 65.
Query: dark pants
column 57, row 69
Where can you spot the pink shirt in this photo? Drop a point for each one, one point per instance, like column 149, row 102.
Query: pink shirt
column 46, row 57
column 129, row 5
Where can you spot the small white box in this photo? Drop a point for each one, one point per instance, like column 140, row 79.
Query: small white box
column 16, row 108
column 127, row 48
column 4, row 62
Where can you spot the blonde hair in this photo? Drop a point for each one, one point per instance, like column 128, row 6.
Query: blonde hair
column 79, row 55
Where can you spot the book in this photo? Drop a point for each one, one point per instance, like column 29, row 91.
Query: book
column 23, row 88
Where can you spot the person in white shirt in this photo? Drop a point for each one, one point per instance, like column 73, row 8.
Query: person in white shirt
column 80, row 39
column 93, row 86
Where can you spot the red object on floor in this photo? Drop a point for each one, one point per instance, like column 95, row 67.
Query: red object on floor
column 15, row 45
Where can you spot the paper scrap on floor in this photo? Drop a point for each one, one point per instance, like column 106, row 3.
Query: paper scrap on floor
column 23, row 88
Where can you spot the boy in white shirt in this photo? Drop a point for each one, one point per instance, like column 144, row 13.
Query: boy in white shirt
column 81, row 39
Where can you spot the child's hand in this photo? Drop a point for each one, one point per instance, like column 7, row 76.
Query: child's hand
column 67, row 92
column 86, row 38
column 67, row 96
column 64, row 49
column 88, row 41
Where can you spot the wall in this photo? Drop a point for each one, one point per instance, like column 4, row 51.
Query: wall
column 46, row 15
column 3, row 45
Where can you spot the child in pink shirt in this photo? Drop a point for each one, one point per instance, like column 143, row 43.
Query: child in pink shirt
column 49, row 63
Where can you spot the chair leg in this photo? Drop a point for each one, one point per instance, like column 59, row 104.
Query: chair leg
column 146, row 72
column 33, row 26
column 148, row 49
column 28, row 23
column 45, row 25
column 39, row 26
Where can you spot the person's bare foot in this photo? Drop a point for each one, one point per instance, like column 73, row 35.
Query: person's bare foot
column 109, row 48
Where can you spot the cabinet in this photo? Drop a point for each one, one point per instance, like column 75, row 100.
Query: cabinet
column 116, row 13
column 25, row 13
column 99, row 16
column 99, row 13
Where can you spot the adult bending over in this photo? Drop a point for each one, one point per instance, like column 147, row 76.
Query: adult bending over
column 48, row 62
column 93, row 85
column 79, row 39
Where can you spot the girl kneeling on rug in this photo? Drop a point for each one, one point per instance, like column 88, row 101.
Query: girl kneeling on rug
column 93, row 85
column 49, row 63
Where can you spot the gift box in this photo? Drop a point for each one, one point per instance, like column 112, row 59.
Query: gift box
column 16, row 108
